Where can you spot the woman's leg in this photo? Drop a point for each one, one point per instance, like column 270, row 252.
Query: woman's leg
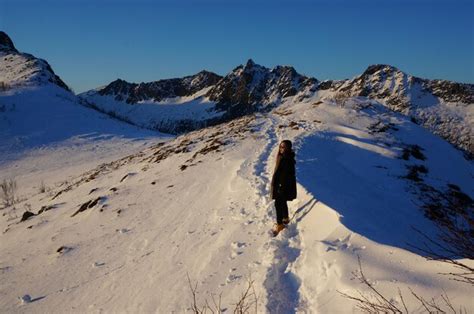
column 281, row 209
column 285, row 212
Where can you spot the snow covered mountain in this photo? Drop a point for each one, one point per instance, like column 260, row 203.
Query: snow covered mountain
column 446, row 108
column 252, row 88
column 41, row 117
column 157, row 91
column 112, row 218
column 180, row 105
column 22, row 69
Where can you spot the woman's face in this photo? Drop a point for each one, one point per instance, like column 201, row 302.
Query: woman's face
column 283, row 148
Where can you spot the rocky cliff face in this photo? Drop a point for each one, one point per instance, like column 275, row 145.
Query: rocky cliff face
column 251, row 87
column 22, row 69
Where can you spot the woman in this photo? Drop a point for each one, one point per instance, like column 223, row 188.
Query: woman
column 283, row 186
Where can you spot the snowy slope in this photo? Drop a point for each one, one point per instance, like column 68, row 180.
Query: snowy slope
column 170, row 114
column 21, row 69
column 443, row 107
column 199, row 205
column 44, row 126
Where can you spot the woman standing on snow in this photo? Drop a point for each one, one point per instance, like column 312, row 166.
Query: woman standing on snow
column 283, row 186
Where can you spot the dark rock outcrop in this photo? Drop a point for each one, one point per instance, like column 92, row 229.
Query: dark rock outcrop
column 250, row 87
column 26, row 215
column 6, row 44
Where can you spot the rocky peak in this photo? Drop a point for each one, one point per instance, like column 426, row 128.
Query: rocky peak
column 117, row 87
column 382, row 68
column 250, row 87
column 6, row 44
column 250, row 63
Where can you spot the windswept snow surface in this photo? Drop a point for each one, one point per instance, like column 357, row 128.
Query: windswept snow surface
column 199, row 205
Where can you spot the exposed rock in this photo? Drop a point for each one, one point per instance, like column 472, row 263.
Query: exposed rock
column 64, row 249
column 87, row 205
column 252, row 87
column 25, row 299
column 26, row 215
column 46, row 208
column 6, row 44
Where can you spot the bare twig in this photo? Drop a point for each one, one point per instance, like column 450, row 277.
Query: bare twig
column 246, row 302
column 381, row 304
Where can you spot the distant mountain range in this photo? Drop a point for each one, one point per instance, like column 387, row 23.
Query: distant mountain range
column 179, row 105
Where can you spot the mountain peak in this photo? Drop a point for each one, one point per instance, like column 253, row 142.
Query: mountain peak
column 371, row 69
column 6, row 43
column 250, row 63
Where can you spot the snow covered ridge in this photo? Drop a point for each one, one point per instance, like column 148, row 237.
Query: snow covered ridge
column 204, row 99
column 133, row 93
column 39, row 115
column 199, row 205
column 444, row 107
column 183, row 104
column 21, row 69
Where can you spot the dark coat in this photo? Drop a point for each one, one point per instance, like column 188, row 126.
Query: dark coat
column 284, row 179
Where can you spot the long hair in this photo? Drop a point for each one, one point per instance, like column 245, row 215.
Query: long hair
column 289, row 153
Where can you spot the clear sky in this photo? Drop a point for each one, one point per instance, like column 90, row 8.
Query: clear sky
column 90, row 43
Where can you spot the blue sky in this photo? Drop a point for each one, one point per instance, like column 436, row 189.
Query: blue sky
column 90, row 43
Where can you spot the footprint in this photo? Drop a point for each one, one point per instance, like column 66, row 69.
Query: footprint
column 98, row 264
column 232, row 278
column 235, row 254
column 238, row 245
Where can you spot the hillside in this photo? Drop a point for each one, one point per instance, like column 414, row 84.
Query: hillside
column 45, row 127
column 111, row 217
column 199, row 205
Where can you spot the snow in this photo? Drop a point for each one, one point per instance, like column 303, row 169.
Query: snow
column 152, row 114
column 407, row 94
column 21, row 69
column 157, row 222
column 44, row 130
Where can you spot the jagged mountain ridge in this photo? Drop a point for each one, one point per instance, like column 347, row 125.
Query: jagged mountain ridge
column 199, row 205
column 249, row 88
column 159, row 90
column 204, row 99
column 443, row 107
